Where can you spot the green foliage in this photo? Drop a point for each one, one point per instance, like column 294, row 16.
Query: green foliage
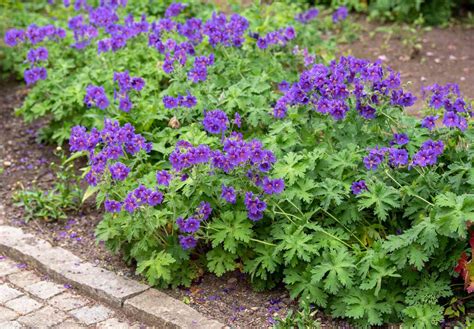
column 55, row 203
column 383, row 255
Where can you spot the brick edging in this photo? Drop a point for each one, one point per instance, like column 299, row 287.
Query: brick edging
column 136, row 299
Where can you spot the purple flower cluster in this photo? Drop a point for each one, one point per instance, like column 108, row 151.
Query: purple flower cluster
column 340, row 14
column 188, row 101
column 119, row 34
column 142, row 196
column 279, row 37
column 107, row 145
column 192, row 224
column 95, row 96
column 33, row 34
column 397, row 157
column 126, row 83
column 139, row 197
column 37, row 55
column 255, row 206
column 215, row 122
column 226, row 32
column 236, row 153
column 331, row 89
column 448, row 98
column 34, row 74
column 199, row 71
column 428, row 153
column 163, row 177
column 228, row 194
column 83, row 33
column 174, row 9
column 400, row 139
column 307, row 16
column 358, row 187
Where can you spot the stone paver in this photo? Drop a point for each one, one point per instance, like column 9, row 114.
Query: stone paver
column 23, row 278
column 68, row 301
column 92, row 314
column 7, row 315
column 45, row 289
column 115, row 323
column 28, row 302
column 45, row 317
column 7, row 293
column 10, row 325
column 7, row 267
column 65, row 270
column 23, row 305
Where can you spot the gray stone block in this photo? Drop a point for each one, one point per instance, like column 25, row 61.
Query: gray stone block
column 157, row 308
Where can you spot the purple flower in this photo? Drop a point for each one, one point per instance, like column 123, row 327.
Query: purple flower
column 95, row 95
column 125, row 104
column 375, row 157
column 358, row 187
column 174, row 9
column 255, row 206
column 228, row 194
column 307, row 16
column 137, row 83
column 204, row 210
column 170, row 102
column 130, row 203
column 400, row 139
column 340, row 14
column 429, row 122
column 397, row 157
column 155, row 198
column 215, row 121
column 112, row 206
column 181, row 223
column 237, row 120
column 163, row 177
column 187, row 242
column 119, row 171
column 262, row 43
column 191, row 225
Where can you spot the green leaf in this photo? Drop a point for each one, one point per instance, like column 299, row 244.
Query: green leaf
column 423, row 316
column 452, row 213
column 291, row 167
column 360, row 305
column 295, row 244
column 90, row 191
column 266, row 261
column 381, row 197
column 156, row 267
column 299, row 283
column 219, row 261
column 335, row 270
column 331, row 192
column 229, row 229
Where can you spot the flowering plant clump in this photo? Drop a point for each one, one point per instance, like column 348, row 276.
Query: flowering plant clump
column 232, row 142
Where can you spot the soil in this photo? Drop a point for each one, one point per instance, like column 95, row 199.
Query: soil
column 447, row 55
column 438, row 55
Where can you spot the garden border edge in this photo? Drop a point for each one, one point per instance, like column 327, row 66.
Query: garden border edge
column 135, row 299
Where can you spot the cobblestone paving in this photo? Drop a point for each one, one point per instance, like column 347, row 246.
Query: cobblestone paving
column 30, row 300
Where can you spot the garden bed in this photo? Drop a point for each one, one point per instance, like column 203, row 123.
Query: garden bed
column 240, row 147
column 229, row 299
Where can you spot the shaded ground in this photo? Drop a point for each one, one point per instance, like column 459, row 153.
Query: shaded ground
column 440, row 55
